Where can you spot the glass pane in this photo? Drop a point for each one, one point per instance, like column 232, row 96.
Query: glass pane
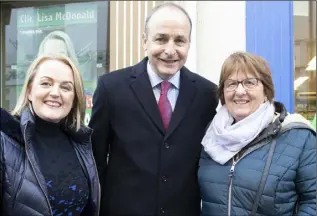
column 305, row 58
column 78, row 30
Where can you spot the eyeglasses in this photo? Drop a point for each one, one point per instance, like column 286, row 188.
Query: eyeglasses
column 248, row 84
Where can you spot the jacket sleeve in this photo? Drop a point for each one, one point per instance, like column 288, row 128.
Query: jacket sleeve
column 100, row 123
column 306, row 178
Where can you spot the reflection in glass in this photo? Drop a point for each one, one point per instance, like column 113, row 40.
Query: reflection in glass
column 78, row 30
column 305, row 58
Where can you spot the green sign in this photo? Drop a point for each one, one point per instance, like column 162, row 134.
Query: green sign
column 66, row 28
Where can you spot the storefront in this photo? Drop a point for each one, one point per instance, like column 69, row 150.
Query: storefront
column 98, row 39
column 103, row 36
column 30, row 29
column 305, row 58
column 284, row 33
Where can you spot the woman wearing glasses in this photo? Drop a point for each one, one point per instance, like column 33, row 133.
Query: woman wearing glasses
column 257, row 159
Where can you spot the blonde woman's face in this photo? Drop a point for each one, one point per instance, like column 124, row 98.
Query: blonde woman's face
column 55, row 46
column 52, row 91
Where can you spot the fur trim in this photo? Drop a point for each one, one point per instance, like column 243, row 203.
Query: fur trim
column 297, row 120
column 10, row 126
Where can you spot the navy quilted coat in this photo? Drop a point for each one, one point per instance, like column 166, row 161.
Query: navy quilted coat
column 291, row 179
column 22, row 186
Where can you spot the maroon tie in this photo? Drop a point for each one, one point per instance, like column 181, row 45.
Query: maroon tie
column 164, row 104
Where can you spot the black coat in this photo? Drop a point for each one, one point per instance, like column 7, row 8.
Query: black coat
column 22, row 186
column 150, row 172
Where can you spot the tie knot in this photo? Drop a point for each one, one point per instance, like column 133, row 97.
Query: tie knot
column 165, row 86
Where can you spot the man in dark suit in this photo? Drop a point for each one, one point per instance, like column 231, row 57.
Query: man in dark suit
column 150, row 118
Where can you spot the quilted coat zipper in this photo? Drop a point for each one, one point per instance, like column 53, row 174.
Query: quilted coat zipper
column 99, row 188
column 27, row 154
column 232, row 171
column 230, row 186
column 85, row 167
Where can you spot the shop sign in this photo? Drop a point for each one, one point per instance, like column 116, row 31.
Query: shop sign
column 58, row 15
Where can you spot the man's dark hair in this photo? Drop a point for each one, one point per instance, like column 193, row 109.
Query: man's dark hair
column 164, row 5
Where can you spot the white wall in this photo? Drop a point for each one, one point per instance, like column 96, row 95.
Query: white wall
column 220, row 31
column 191, row 8
column 300, row 8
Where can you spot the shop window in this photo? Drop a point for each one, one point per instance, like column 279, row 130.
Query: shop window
column 79, row 30
column 305, row 58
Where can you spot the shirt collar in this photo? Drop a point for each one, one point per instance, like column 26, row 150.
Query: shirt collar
column 155, row 79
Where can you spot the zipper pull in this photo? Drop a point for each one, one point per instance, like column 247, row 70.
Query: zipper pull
column 231, row 172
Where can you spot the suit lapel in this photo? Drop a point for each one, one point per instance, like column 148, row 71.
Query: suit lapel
column 142, row 88
column 186, row 95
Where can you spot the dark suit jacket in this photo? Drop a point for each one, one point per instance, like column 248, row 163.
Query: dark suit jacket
column 150, row 171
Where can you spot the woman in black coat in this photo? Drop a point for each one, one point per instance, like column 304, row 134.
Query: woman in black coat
column 46, row 161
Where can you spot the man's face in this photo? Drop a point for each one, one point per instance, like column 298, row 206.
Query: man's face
column 167, row 41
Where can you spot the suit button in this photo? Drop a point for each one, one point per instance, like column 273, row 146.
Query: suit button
column 166, row 145
column 162, row 210
column 164, row 179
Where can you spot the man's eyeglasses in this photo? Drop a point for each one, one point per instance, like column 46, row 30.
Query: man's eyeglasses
column 248, row 84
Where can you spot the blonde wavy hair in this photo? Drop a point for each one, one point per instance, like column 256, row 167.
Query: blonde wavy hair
column 63, row 36
column 76, row 116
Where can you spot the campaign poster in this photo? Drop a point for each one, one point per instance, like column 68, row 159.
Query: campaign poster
column 69, row 29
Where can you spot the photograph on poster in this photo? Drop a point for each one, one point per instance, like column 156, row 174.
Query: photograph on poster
column 68, row 29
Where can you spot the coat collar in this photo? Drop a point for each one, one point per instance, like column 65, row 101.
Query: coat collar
column 14, row 127
column 141, row 86
column 281, row 123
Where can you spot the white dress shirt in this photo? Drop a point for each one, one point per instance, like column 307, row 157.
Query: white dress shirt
column 155, row 80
